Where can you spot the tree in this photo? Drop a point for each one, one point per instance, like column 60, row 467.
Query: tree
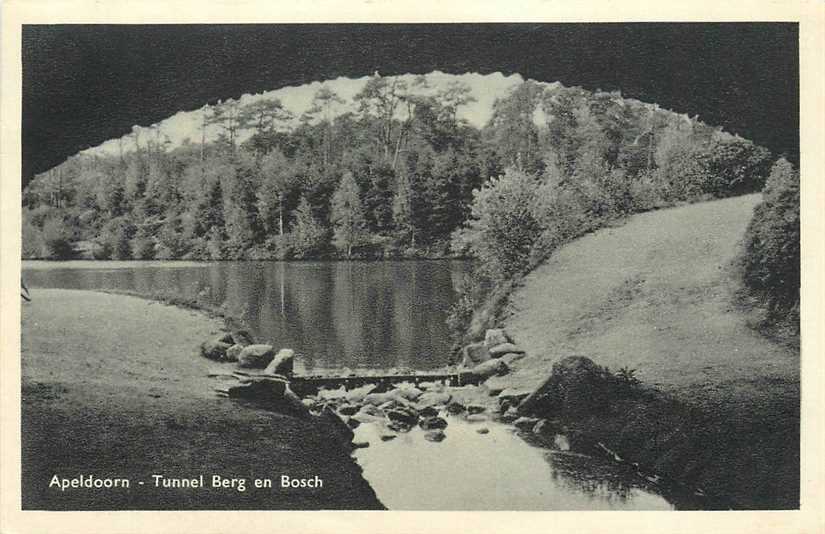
column 347, row 215
column 307, row 233
column 323, row 102
column 402, row 214
column 379, row 99
column 277, row 181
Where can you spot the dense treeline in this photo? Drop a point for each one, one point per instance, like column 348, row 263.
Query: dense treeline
column 392, row 173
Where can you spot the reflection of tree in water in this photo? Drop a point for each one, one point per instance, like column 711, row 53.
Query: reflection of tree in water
column 594, row 477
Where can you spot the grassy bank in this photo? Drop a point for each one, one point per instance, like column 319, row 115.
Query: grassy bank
column 659, row 295
column 112, row 386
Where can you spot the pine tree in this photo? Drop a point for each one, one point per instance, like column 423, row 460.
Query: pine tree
column 308, row 234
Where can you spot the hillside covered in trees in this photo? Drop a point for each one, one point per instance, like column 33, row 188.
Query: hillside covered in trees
column 394, row 172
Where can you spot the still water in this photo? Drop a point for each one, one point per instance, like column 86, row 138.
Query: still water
column 335, row 315
column 371, row 315
column 493, row 471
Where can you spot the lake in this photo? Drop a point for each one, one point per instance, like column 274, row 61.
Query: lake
column 336, row 315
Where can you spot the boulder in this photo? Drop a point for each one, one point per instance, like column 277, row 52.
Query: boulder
column 352, row 422
column 475, row 408
column 483, row 430
column 364, row 418
column 512, row 396
column 282, row 363
column 525, row 423
column 427, row 411
column 455, row 407
column 435, row 435
column 233, row 352
column 360, row 444
column 387, row 436
column 511, row 357
column 348, row 409
column 576, row 386
column 433, row 398
column 256, row 356
column 474, row 354
column 561, row 442
column 226, row 337
column 336, row 425
column 377, row 399
column 332, row 395
column 476, row 417
column 496, row 336
column 214, row 349
column 490, row 368
column 369, row 409
column 356, row 395
column 403, row 416
column 406, row 392
column 505, row 348
column 432, row 423
column 241, row 337
column 510, row 415
column 294, row 405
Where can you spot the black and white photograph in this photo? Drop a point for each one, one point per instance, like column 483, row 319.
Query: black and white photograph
column 410, row 267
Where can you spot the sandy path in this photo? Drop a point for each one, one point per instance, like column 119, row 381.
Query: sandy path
column 112, row 386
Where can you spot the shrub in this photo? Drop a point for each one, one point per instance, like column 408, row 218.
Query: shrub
column 771, row 257
column 57, row 240
column 504, row 224
column 33, row 245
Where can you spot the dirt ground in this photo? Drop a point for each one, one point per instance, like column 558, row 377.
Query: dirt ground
column 113, row 387
column 657, row 295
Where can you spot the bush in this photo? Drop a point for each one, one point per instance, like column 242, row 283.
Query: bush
column 57, row 240
column 504, row 224
column 771, row 257
column 33, row 245
column 143, row 248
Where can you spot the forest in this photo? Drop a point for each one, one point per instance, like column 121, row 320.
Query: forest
column 397, row 174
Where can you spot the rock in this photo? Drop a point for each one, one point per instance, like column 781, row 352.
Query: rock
column 433, row 398
column 337, row 426
column 256, row 356
column 505, row 348
column 435, row 435
column 369, row 409
column 225, row 338
column 241, row 337
column 432, row 423
column 510, row 415
column 282, row 363
column 496, row 336
column 483, row 430
column 334, row 395
column 214, row 349
column 490, row 368
column 561, row 442
column 474, row 354
column 233, row 352
column 398, row 426
column 348, row 409
column 387, row 436
column 364, row 418
column 428, row 411
column 405, row 417
column 455, row 408
column 543, row 427
column 360, row 444
column 356, row 395
column 513, row 395
column 353, row 422
column 576, row 386
column 511, row 357
column 525, row 423
column 475, row 408
column 408, row 392
column 477, row 417
column 265, row 390
column 377, row 399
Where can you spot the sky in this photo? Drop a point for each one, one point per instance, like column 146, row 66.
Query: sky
column 485, row 88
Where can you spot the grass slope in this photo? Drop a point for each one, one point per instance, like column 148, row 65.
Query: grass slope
column 658, row 294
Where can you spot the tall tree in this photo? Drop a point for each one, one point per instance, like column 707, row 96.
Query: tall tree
column 347, row 215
